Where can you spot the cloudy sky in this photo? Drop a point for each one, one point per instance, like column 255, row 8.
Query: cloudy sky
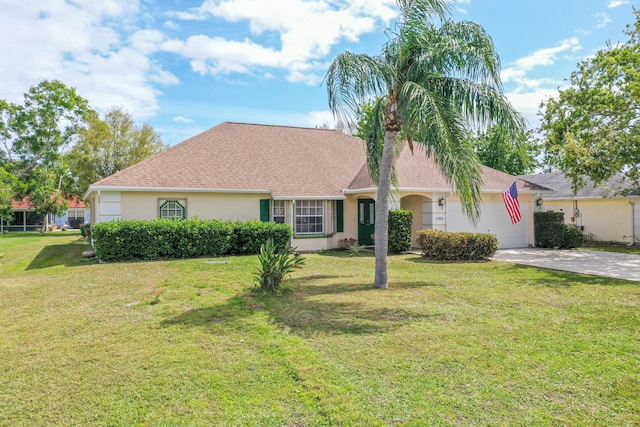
column 186, row 65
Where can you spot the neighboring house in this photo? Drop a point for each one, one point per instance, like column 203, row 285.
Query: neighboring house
column 610, row 212
column 24, row 218
column 314, row 179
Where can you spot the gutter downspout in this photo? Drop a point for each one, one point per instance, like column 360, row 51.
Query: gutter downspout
column 633, row 221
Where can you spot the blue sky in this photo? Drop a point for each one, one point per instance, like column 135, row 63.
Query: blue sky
column 187, row 65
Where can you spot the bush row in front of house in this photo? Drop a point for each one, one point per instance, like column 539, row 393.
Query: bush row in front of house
column 450, row 246
column 162, row 239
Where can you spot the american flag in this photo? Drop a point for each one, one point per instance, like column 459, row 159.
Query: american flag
column 511, row 202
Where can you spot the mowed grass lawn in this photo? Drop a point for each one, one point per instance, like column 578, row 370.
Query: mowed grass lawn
column 185, row 342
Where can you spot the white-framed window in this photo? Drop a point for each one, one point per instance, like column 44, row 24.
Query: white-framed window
column 309, row 217
column 172, row 209
column 278, row 211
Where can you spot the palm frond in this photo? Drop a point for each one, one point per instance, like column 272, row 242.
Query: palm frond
column 437, row 124
column 351, row 80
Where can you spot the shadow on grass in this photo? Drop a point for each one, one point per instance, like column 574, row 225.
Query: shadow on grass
column 342, row 253
column 310, row 309
column 68, row 255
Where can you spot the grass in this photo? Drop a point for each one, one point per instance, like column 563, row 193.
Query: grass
column 635, row 249
column 186, row 343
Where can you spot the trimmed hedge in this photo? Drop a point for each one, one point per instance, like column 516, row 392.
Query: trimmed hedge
column 548, row 229
column 400, row 222
column 551, row 231
column 164, row 238
column 451, row 246
column 247, row 237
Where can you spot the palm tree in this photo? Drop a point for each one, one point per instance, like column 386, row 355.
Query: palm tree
column 434, row 81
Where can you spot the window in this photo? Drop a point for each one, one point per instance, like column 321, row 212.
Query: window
column 172, row 209
column 278, row 211
column 310, row 217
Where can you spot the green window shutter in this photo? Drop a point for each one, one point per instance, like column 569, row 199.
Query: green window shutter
column 264, row 210
column 339, row 216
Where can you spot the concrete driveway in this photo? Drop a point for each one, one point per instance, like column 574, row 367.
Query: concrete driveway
column 607, row 264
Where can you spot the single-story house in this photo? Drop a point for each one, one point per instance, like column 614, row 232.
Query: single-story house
column 24, row 218
column 609, row 212
column 317, row 180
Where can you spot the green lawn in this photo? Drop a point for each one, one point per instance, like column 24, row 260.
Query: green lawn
column 635, row 249
column 83, row 343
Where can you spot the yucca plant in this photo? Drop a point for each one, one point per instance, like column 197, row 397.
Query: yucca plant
column 275, row 264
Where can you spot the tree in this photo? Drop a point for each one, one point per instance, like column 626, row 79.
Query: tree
column 110, row 145
column 592, row 128
column 496, row 149
column 434, row 82
column 36, row 137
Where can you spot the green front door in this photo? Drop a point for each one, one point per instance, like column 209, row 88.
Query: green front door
column 366, row 221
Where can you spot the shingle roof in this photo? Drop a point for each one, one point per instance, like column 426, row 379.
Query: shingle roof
column 561, row 186
column 25, row 203
column 420, row 171
column 286, row 161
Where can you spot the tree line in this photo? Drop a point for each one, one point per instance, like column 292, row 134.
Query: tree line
column 54, row 145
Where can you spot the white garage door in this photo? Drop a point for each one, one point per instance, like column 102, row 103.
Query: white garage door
column 494, row 219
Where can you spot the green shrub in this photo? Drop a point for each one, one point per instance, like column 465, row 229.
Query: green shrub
column 85, row 231
column 548, row 229
column 571, row 237
column 449, row 246
column 551, row 231
column 247, row 237
column 159, row 239
column 275, row 264
column 166, row 238
column 400, row 222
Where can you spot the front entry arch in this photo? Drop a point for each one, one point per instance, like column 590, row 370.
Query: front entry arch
column 366, row 221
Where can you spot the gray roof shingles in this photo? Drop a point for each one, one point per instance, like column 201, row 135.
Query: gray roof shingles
column 561, row 186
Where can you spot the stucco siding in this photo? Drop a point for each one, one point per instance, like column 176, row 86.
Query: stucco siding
column 602, row 219
column 221, row 206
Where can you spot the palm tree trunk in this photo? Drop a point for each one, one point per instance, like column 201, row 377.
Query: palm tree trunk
column 382, row 208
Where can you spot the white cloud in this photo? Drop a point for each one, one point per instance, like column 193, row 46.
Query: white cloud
column 306, row 30
column 547, row 56
column 84, row 43
column 616, row 3
column 182, row 119
column 217, row 55
column 528, row 104
column 604, row 19
column 319, row 119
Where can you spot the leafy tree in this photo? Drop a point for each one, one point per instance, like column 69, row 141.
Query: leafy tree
column 592, row 129
column 498, row 150
column 36, row 137
column 436, row 81
column 110, row 145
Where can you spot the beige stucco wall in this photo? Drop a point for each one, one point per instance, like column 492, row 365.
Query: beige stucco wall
column 222, row 206
column 414, row 203
column 605, row 219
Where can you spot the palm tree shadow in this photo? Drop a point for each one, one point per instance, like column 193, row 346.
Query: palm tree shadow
column 303, row 313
